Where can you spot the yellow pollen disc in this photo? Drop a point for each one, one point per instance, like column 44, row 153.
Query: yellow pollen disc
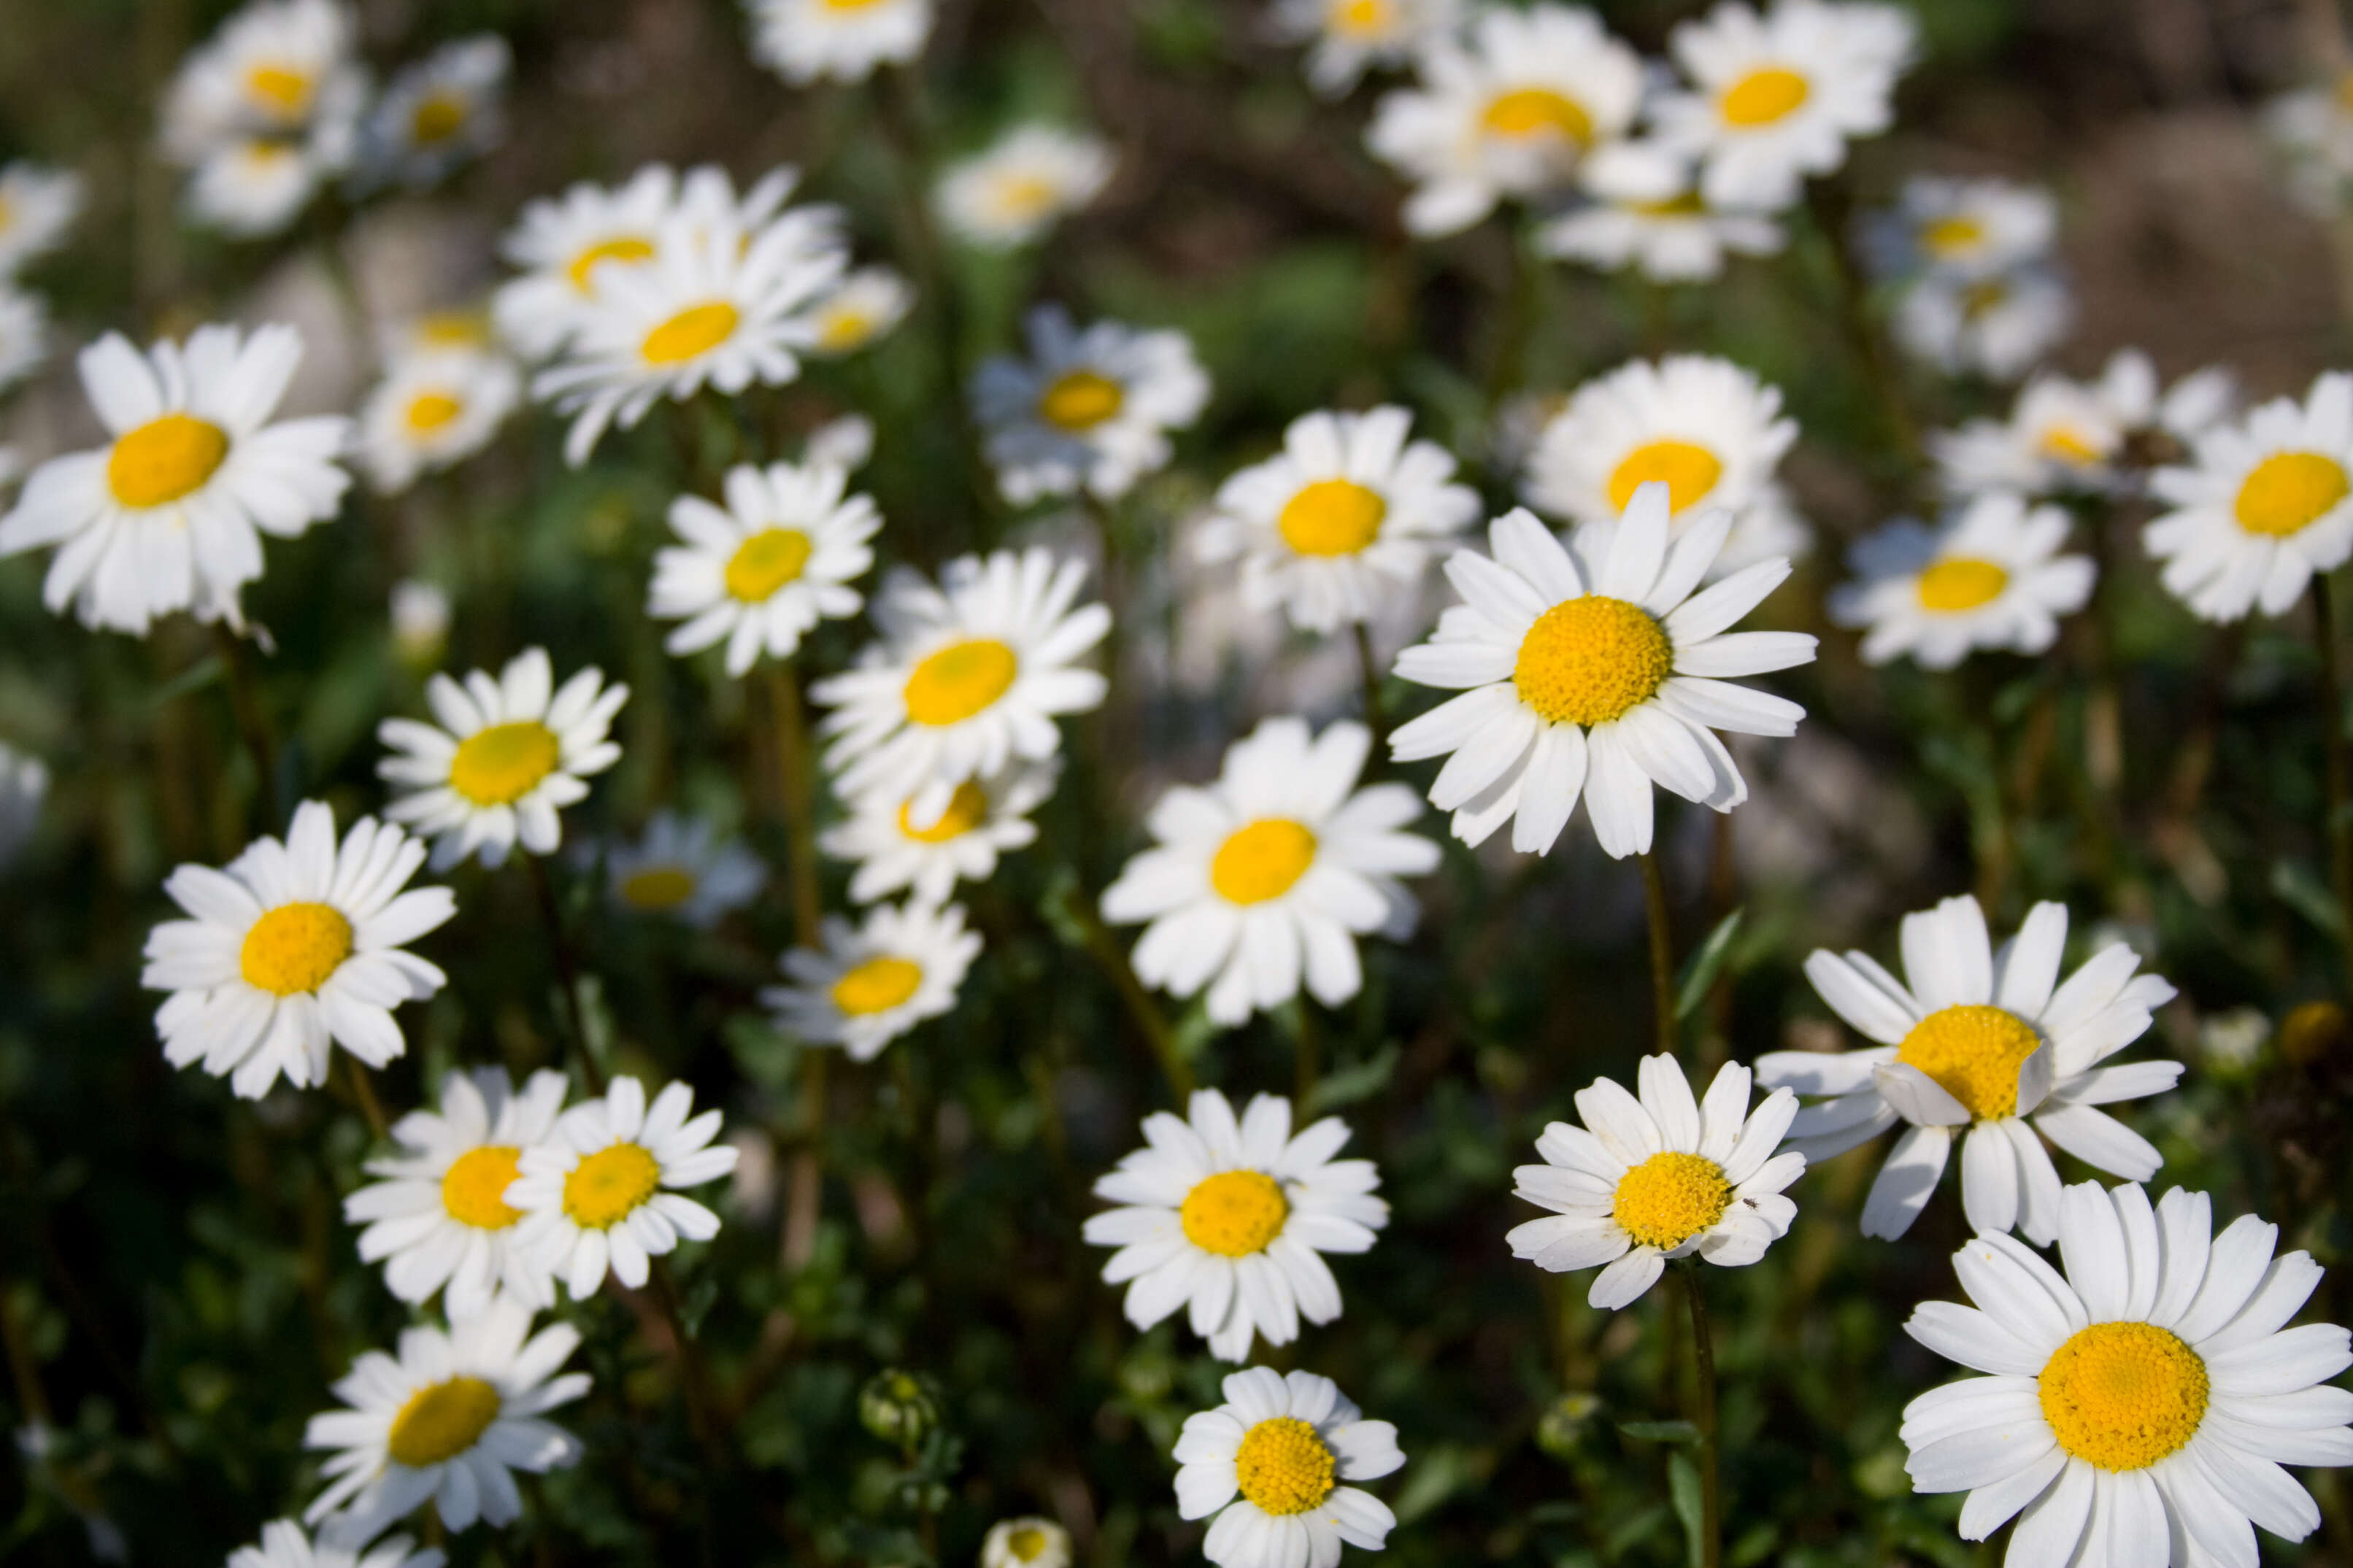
column 1283, row 1466
column 1262, row 860
column 1690, row 472
column 965, row 808
column 1234, row 1213
column 850, row 4
column 282, row 88
column 165, row 460
column 1537, row 111
column 1974, row 1054
column 428, row 411
column 1951, row 237
column 959, row 681
column 474, row 1187
column 500, row 765
column 2289, row 491
column 2123, row 1396
column 765, row 562
column 1688, row 204
column 453, row 329
column 1669, row 1198
column 876, row 985
column 1588, row 660
column 657, row 888
column 1357, row 17
column 436, row 119
column 2070, row 445
column 1762, row 97
column 295, row 947
column 627, row 248
column 1332, row 517
column 603, row 1188
column 442, row 1421
column 844, row 331
column 1024, row 196
column 697, row 330
column 1026, row 1542
column 1961, row 582
column 1081, row 401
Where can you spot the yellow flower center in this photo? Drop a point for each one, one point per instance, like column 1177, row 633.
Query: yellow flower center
column 2123, row 1396
column 1669, row 1198
column 844, row 330
column 765, row 562
column 1688, row 204
column 2070, row 445
column 1588, row 660
column 2289, row 491
column 442, row 1421
column 850, row 4
column 959, row 681
column 1262, row 860
column 281, row 88
column 428, row 411
column 1537, row 111
column 1762, row 97
column 1024, row 196
column 1332, row 517
column 453, row 329
column 876, row 985
column 657, row 888
column 295, row 947
column 1357, row 18
column 1234, row 1213
column 1960, row 582
column 1952, row 237
column 165, row 460
column 1974, row 1054
column 603, row 1188
column 1689, row 471
column 697, row 330
column 500, row 765
column 1080, row 400
column 965, row 808
column 626, row 248
column 474, row 1187
column 437, row 119
column 1026, row 1542
column 1283, row 1466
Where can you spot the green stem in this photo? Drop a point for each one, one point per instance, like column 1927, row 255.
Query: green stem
column 2332, row 755
column 1663, row 954
column 1308, row 1055
column 567, row 971
column 1150, row 1022
column 1509, row 366
column 1831, row 208
column 799, row 806
column 252, row 722
column 365, row 1093
column 1375, row 720
column 1710, row 1496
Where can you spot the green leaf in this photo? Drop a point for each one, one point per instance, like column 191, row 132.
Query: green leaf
column 1706, row 962
column 2295, row 885
column 1361, row 1080
column 1661, row 1431
column 1683, row 1491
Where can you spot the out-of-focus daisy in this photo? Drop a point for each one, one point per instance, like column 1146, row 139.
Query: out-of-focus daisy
column 2060, row 438
column 1348, row 37
column 1270, row 1463
column 37, row 205
column 419, row 613
column 1504, row 111
column 1966, row 229
column 1999, row 327
column 1230, row 1219
column 169, row 515
column 283, row 1545
column 1645, row 212
column 1089, row 408
column 254, row 185
column 24, row 334
column 846, row 443
column 294, row 947
column 2312, row 129
column 986, row 817
column 1657, row 1177
column 448, row 1419
column 2161, row 421
column 507, row 754
column 1989, row 576
column 762, row 570
column 1592, row 670
column 860, row 311
column 1983, row 1041
column 24, row 785
column 2264, row 502
column 804, row 40
column 1269, row 876
column 438, row 1218
column 605, row 1187
column 1015, row 191
column 2140, row 1408
column 272, row 69
column 680, row 868
column 1028, row 1542
column 439, row 113
column 434, row 409
column 863, row 986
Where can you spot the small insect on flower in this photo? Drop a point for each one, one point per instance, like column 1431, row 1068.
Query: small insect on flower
column 1090, row 409
column 37, row 205
column 681, row 868
column 1028, row 1542
column 1273, row 1463
column 283, row 1545
column 438, row 114
column 866, row 985
column 986, row 818
column 1989, row 577
column 1011, row 193
column 761, row 571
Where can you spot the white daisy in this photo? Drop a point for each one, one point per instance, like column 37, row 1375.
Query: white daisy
column 1645, row 212
column 2160, row 419
column 866, row 985
column 438, row 1219
column 439, row 113
column 1285, row 1445
column 1013, row 191
column 603, row 1188
column 1966, row 229
column 255, row 186
column 1230, row 1220
column 2142, row 1407
column 1984, row 1041
column 24, row 787
column 434, row 408
column 986, row 817
column 1594, row 670
column 508, row 753
column 275, row 69
column 1989, row 576
column 1999, row 326
column 759, row 572
column 860, row 311
column 169, row 515
column 295, row 946
column 1504, row 111
column 1649, row 1179
column 283, row 1545
column 37, row 205
column 1341, row 520
column 449, row 1417
column 419, row 613
column 680, row 868
column 805, row 40
column 24, row 334
column 846, row 443
column 1090, row 408
column 1348, row 37
column 1028, row 1542
column 2312, row 129
column 2061, row 438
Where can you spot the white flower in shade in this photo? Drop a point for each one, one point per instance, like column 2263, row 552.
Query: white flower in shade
column 1659, row 1177
column 37, row 205
column 846, row 443
column 1505, row 111
column 2312, row 129
column 439, row 113
column 283, row 1545
column 1986, row 1042
column 1230, row 1219
column 256, row 185
column 275, row 69
column 1270, row 1463
column 866, row 985
column 1776, row 97
column 169, row 515
column 805, row 40
column 1592, row 670
column 681, row 868
column 2266, row 502
column 434, row 409
column 2061, row 438
column 1011, row 193
column 860, row 311
column 1999, row 327
column 448, row 1419
column 986, row 817
column 968, row 676
column 1348, row 37
column 24, row 785
column 419, row 613
column 1269, row 876
column 1989, row 576
column 438, row 1218
column 1966, row 228
column 2142, row 1407
column 1645, row 212
column 295, row 947
column 1090, row 409
column 507, row 754
column 24, row 334
column 760, row 571
column 1028, row 1541
column 1340, row 521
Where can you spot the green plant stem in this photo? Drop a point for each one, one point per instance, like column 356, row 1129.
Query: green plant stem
column 567, row 972
column 2332, row 756
column 1711, row 1498
column 252, row 720
column 365, row 1093
column 1831, row 208
column 1308, row 1054
column 1150, row 1022
column 1375, row 720
column 693, row 1376
column 1508, row 367
column 798, row 805
column 1663, row 954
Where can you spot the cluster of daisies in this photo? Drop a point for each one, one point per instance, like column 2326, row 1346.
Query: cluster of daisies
column 1972, row 264
column 37, row 205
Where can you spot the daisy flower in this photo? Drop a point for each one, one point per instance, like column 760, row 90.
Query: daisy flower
column 1989, row 576
column 864, row 987
column 434, row 409
column 1028, row 1541
column 1659, row 1176
column 1966, row 228
column 2061, row 438
column 759, row 572
column 846, row 443
column 1090, row 408
column 24, row 785
column 37, row 205
column 1270, row 1463
column 441, row 112
column 1269, row 876
column 681, row 868
column 1999, row 327
column 24, row 334
column 986, row 817
column 2159, row 421
column 1644, row 211
column 1593, row 670
column 1348, row 37
column 2312, row 129
column 1344, row 517
column 294, row 947
column 438, row 1218
column 283, row 1545
column 254, row 186
column 1230, row 1219
column 1983, row 1041
column 2140, row 1408
column 1011, row 193
column 169, row 514
column 603, row 1187
column 805, row 40
column 1504, row 111
column 2264, row 503
column 449, row 1417
column 272, row 70
column 419, row 614
column 507, row 754
column 860, row 311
